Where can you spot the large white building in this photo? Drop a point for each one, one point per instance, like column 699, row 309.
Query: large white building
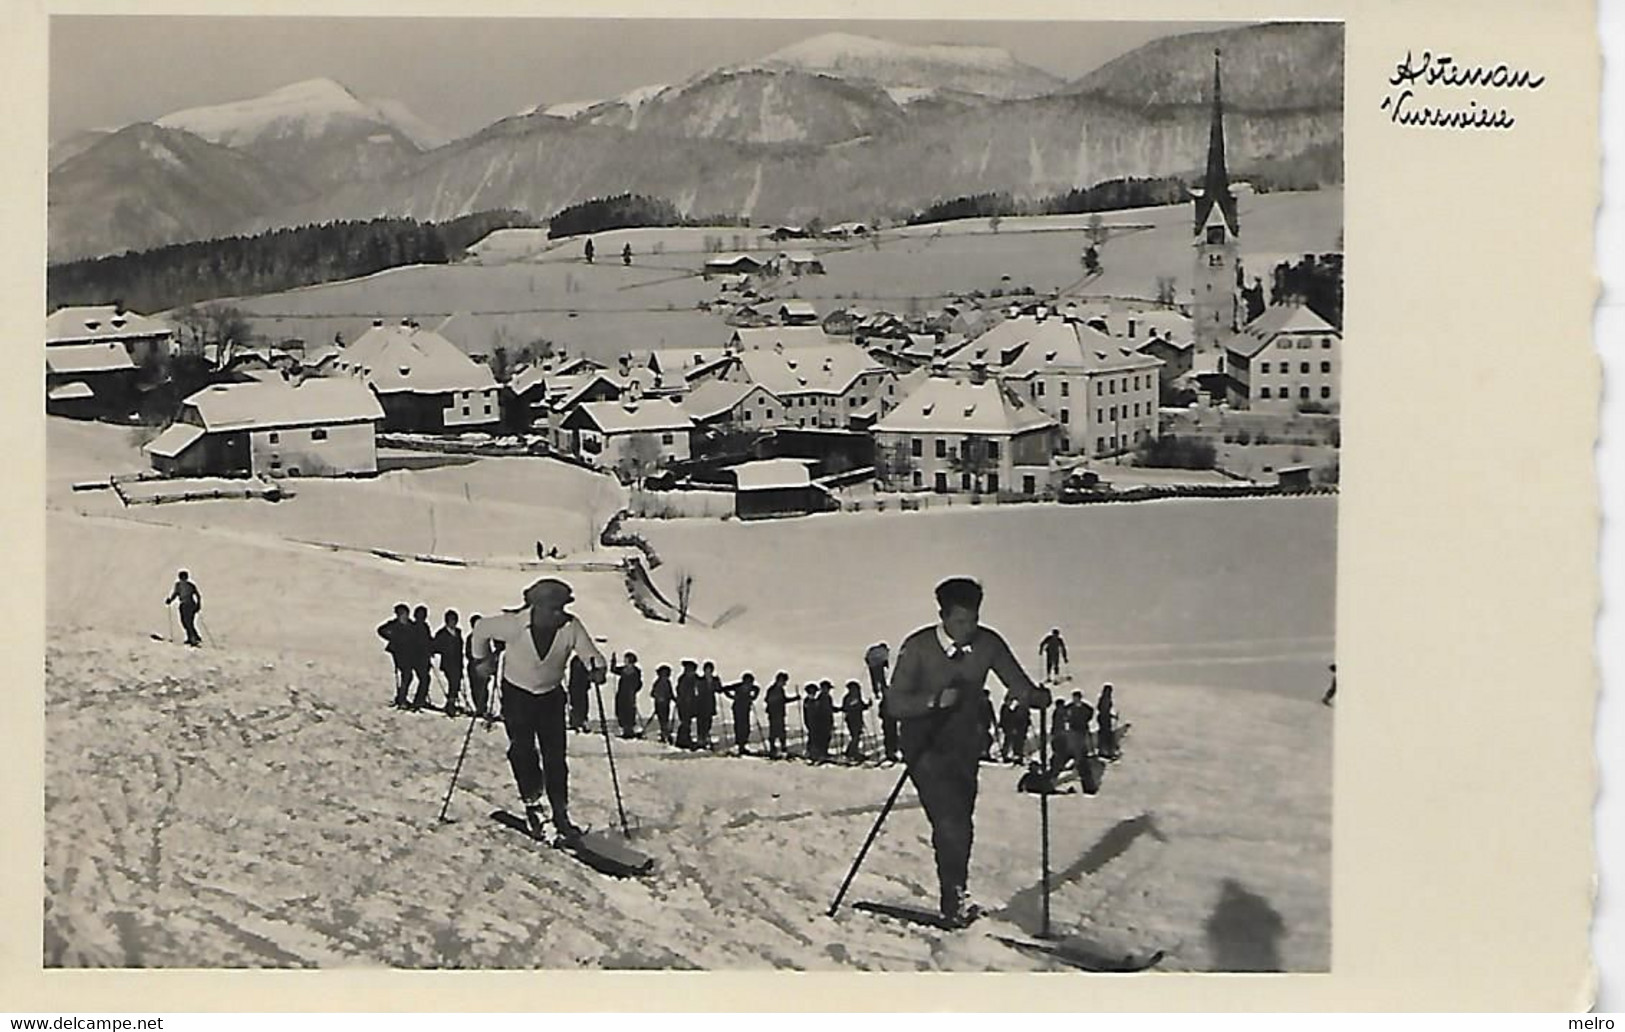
column 965, row 432
column 424, row 382
column 1287, row 359
column 822, row 381
column 319, row 427
column 1103, row 394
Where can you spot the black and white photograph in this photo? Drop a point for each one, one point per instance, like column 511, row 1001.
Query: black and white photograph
column 692, row 495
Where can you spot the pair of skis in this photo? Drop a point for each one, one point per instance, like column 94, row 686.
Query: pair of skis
column 1082, row 958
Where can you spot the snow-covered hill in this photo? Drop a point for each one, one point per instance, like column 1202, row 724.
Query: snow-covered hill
column 988, row 71
column 309, row 109
column 261, row 806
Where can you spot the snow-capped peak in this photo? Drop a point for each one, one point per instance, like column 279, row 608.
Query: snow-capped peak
column 305, row 108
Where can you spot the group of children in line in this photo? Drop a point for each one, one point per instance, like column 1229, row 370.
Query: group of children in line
column 415, row 647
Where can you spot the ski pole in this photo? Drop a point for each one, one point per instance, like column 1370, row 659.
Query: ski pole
column 1043, row 814
column 874, row 833
column 609, row 751
column 459, row 768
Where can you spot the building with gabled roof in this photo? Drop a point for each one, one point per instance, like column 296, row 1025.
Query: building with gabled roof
column 1104, row 395
column 602, row 432
column 796, row 312
column 145, row 338
column 1286, row 359
column 321, row 426
column 424, row 382
column 965, row 431
column 94, row 355
column 741, row 404
column 826, row 383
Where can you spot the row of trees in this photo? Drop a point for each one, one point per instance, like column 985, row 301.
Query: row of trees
column 1110, row 195
column 1316, row 280
column 279, row 259
column 628, row 211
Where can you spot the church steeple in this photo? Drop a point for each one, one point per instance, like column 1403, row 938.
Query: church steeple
column 1216, row 184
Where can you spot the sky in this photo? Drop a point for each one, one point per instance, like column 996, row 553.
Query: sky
column 461, row 74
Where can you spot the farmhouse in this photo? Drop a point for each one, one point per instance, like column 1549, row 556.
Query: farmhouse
column 603, row 433
column 1287, row 359
column 1104, row 395
column 731, row 265
column 1176, row 359
column 93, row 356
column 741, row 404
column 424, row 383
column 321, row 427
column 965, row 432
column 795, row 312
column 798, row 263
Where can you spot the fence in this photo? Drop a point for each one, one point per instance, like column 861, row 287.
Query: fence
column 146, row 491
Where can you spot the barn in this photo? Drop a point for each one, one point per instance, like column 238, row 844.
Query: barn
column 770, row 488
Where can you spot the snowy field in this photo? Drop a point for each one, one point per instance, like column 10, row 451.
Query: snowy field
column 261, row 806
column 523, row 292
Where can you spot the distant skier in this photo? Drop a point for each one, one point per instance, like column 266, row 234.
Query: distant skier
column 1014, row 720
column 1053, row 648
column 1331, row 689
column 580, row 687
column 940, row 671
column 628, row 684
column 191, row 602
column 588, row 250
column 539, row 641
column 743, row 693
column 420, row 639
column 852, row 707
column 394, row 631
column 687, row 692
column 1106, row 724
column 663, row 695
column 626, row 254
column 778, row 743
column 705, row 704
column 448, row 645
column 479, row 685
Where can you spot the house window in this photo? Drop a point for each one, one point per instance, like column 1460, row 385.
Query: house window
column 919, row 479
column 1114, row 387
column 1303, row 367
column 1325, row 392
column 964, row 481
column 1100, row 387
column 1325, row 342
column 917, row 447
column 1285, row 345
column 1306, row 343
column 1066, row 417
column 665, row 438
column 319, row 434
column 1038, row 389
column 1136, row 410
column 769, row 413
column 942, row 448
column 1303, row 392
column 993, row 450
column 1114, row 413
column 276, row 438
column 1264, row 394
column 941, row 483
column 1100, row 415
column 1029, row 485
column 992, row 483
column 1100, row 444
column 1066, row 389
column 1325, row 367
column 1264, row 368
column 1215, row 235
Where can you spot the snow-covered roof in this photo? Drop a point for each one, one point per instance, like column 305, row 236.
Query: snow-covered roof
column 268, row 404
column 771, row 474
column 728, row 261
column 1275, row 321
column 668, row 361
column 796, row 308
column 801, row 258
column 808, row 369
column 769, row 338
column 397, row 358
column 956, row 405
column 1026, row 345
column 88, row 358
column 625, row 417
column 173, row 441
column 74, row 391
column 714, row 397
column 100, row 322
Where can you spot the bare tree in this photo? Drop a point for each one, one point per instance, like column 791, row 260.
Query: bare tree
column 639, row 458
column 685, row 593
column 895, row 464
column 975, row 458
column 1165, row 290
column 1097, row 231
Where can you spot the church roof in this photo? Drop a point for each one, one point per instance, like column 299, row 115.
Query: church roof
column 1216, row 183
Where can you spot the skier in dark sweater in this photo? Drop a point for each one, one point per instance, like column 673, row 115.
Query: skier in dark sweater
column 1054, row 651
column 818, row 710
column 687, row 689
column 394, row 631
column 852, row 707
column 663, row 695
column 627, row 686
column 191, row 602
column 878, row 659
column 420, row 639
column 705, row 704
column 1106, row 724
column 743, row 695
column 1014, row 720
column 448, row 646
column 579, row 687
column 940, row 671
column 777, row 702
column 479, row 685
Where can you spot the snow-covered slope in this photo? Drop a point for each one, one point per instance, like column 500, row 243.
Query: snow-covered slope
column 260, row 806
column 990, row 71
column 309, row 108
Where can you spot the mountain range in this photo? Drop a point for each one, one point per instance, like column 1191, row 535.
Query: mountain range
column 837, row 126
